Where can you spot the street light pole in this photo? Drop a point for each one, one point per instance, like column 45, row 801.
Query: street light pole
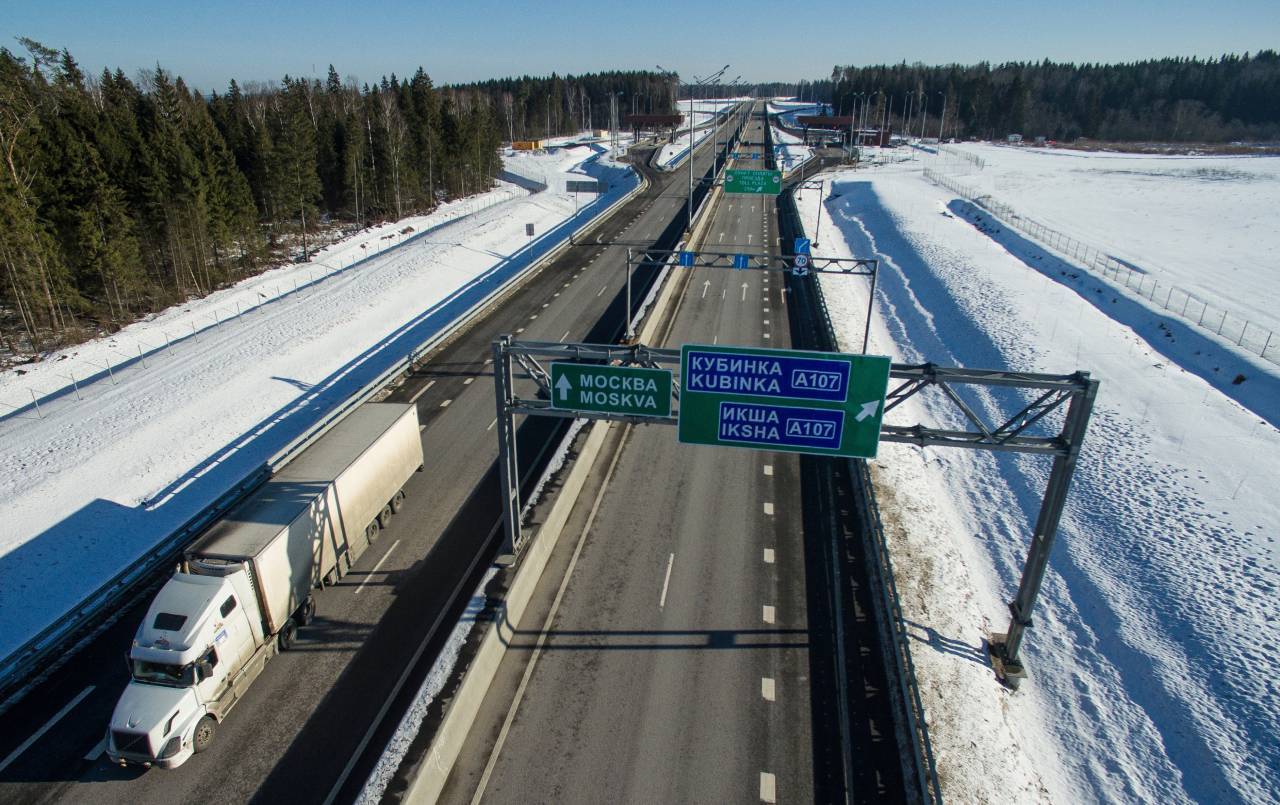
column 630, row 336
column 697, row 82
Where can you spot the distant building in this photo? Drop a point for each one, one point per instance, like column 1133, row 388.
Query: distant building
column 1014, row 138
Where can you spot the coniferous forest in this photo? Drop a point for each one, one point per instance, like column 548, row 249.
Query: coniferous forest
column 1173, row 100
column 121, row 196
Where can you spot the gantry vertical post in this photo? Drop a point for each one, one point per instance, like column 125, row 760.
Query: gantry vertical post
column 508, row 466
column 1046, row 530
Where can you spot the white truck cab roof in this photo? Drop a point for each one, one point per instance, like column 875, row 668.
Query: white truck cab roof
column 171, row 631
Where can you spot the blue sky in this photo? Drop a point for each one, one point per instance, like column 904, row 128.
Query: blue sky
column 209, row 43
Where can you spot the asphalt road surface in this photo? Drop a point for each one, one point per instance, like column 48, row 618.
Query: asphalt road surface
column 677, row 665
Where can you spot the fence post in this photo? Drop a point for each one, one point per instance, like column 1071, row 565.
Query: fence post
column 1243, row 330
column 74, row 384
column 142, row 357
column 110, row 373
column 36, row 400
column 1168, row 297
column 1270, row 333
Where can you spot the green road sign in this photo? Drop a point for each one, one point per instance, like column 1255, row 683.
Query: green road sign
column 823, row 403
column 751, row 181
column 610, row 389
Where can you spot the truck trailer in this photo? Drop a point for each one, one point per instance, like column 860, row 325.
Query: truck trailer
column 246, row 585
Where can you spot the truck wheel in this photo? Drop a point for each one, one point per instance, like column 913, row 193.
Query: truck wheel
column 371, row 532
column 397, row 502
column 287, row 635
column 307, row 612
column 384, row 516
column 203, row 735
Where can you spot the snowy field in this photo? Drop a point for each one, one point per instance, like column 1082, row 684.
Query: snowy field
column 95, row 483
column 1204, row 223
column 789, row 152
column 1156, row 647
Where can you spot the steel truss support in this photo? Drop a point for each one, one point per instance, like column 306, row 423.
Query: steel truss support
column 1076, row 392
column 846, row 266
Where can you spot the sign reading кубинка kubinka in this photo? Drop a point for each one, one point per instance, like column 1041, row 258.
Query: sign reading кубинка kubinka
column 781, row 399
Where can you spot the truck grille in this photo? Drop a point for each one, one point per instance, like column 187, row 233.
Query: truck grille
column 132, row 743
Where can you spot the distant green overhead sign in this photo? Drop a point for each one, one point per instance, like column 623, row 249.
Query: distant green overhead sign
column 822, row 403
column 610, row 389
column 750, row 181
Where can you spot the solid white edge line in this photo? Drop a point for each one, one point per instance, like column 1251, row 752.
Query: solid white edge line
column 25, row 745
column 662, row 602
column 377, row 567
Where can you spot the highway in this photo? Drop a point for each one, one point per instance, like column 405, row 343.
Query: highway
column 313, row 724
column 677, row 665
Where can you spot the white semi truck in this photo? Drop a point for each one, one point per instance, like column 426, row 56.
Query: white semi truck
column 245, row 586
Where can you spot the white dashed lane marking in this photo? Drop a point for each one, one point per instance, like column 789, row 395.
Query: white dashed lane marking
column 768, row 787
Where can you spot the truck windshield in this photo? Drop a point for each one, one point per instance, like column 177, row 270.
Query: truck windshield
column 177, row 676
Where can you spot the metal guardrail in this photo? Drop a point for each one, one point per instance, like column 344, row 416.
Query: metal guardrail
column 894, row 635
column 31, row 662
column 919, row 768
column 1255, row 338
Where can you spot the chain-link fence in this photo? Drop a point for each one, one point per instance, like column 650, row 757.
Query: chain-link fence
column 1242, row 332
column 973, row 159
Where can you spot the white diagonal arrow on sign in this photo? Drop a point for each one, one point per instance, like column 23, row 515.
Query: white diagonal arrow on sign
column 868, row 409
column 564, row 387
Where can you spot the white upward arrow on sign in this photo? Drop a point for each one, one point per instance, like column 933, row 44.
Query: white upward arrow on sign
column 868, row 409
column 564, row 388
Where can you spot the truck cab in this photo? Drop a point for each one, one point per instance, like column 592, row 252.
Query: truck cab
column 191, row 658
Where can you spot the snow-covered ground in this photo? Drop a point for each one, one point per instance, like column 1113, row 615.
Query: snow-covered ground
column 94, row 483
column 789, row 151
column 1156, row 645
column 1204, row 223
